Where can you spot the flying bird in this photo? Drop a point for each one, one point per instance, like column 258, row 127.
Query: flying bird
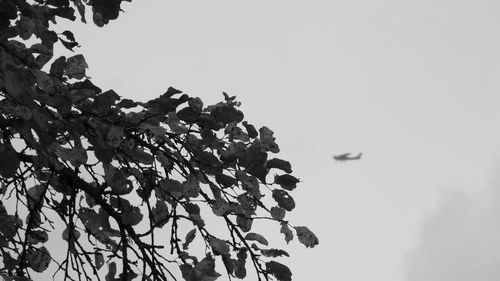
column 346, row 156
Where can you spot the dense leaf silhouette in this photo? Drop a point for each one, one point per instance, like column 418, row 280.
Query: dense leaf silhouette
column 123, row 183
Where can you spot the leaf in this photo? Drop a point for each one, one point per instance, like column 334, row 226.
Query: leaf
column 283, row 199
column 286, row 231
column 225, row 180
column 228, row 264
column 206, row 268
column 26, row 27
column 280, row 164
column 278, row 213
column 76, row 156
column 75, row 67
column 219, row 246
column 188, row 114
column 127, row 103
column 196, row 104
column 226, row 114
column 220, row 207
column 160, row 213
column 272, row 253
column 9, row 225
column 256, row 237
column 74, row 235
column 99, row 259
column 240, row 271
column 57, row 67
column 280, row 271
column 9, row 262
column 65, row 12
column 114, row 136
column 251, row 131
column 286, row 181
column 267, row 137
column 37, row 236
column 306, row 237
column 69, row 35
column 244, row 223
column 189, row 238
column 103, row 153
column 110, row 276
column 39, row 260
column 10, row 162
column 141, row 156
column 131, row 215
column 206, row 158
column 34, row 195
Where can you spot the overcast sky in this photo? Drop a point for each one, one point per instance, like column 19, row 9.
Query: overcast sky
column 414, row 85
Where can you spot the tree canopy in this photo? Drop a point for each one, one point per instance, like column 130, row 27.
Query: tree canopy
column 121, row 176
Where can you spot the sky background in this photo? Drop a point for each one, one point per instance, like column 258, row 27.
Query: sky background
column 414, row 85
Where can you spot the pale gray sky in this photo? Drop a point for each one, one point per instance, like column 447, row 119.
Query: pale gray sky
column 412, row 84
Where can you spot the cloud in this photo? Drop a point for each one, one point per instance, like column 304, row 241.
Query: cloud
column 460, row 240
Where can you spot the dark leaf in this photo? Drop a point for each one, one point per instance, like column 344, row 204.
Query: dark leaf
column 9, row 262
column 279, row 164
column 48, row 37
column 189, row 238
column 69, row 45
column 267, row 137
column 141, row 156
column 245, row 224
column 225, row 180
column 65, row 12
column 228, row 263
column 104, row 153
column 187, row 272
column 306, row 236
column 110, row 276
column 220, row 247
column 188, row 114
column 226, row 114
column 240, row 270
column 206, row 268
column 99, row 259
column 280, row 271
column 75, row 67
column 69, row 35
column 161, row 214
column 126, row 103
column 9, row 163
column 196, row 104
column 43, row 59
column 277, row 213
column 283, row 199
column 286, row 231
column 286, row 181
column 57, row 67
column 171, row 91
column 81, row 9
column 256, row 237
column 206, row 158
column 39, row 259
column 272, row 253
column 131, row 215
column 251, row 131
column 37, row 236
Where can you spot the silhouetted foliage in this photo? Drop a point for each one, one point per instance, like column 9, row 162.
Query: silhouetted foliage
column 122, row 175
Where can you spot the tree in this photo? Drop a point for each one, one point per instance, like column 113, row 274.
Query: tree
column 120, row 174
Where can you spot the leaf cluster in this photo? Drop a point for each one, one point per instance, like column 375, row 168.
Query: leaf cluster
column 121, row 174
